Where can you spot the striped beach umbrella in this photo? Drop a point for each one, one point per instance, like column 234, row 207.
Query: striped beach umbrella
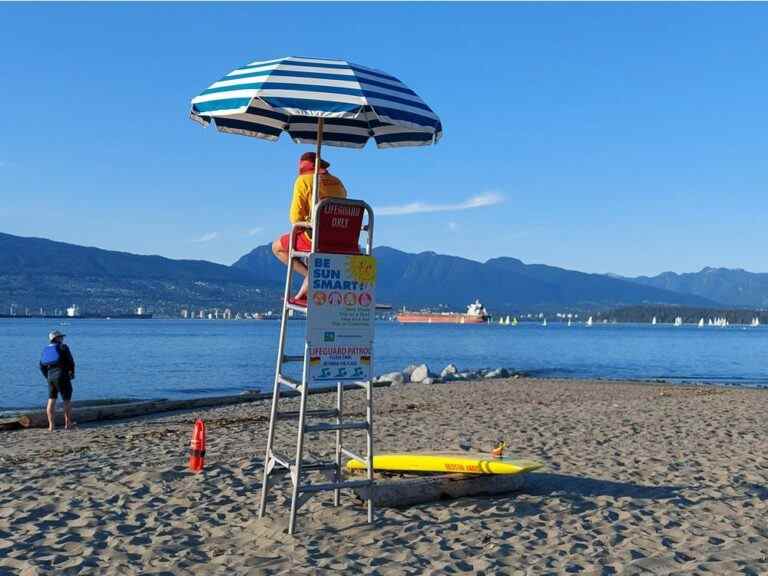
column 355, row 103
column 318, row 102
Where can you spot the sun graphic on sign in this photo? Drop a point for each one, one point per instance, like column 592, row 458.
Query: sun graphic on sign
column 362, row 268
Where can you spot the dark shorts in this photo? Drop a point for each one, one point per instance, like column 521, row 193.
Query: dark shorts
column 63, row 386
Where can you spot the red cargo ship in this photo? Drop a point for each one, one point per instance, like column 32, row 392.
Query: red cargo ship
column 475, row 314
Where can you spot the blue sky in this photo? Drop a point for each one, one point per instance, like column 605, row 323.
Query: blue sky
column 601, row 137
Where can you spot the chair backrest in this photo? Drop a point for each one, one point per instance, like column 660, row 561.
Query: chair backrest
column 337, row 225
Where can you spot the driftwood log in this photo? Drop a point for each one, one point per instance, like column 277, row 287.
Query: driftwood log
column 133, row 409
column 409, row 491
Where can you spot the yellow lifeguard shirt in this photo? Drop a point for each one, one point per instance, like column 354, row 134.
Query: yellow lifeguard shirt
column 301, row 204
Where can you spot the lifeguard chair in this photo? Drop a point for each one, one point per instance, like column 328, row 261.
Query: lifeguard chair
column 335, row 230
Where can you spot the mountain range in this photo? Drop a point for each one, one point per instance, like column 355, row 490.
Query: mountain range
column 734, row 287
column 434, row 280
column 37, row 273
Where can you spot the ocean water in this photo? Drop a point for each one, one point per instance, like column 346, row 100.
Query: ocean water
column 191, row 358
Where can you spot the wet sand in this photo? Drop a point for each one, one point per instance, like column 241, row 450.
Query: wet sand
column 639, row 479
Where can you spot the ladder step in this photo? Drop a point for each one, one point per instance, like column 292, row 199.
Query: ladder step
column 328, row 427
column 306, row 466
column 281, row 460
column 302, row 309
column 350, row 454
column 300, row 254
column 293, row 358
column 333, row 413
column 335, row 485
column 290, row 382
column 311, row 466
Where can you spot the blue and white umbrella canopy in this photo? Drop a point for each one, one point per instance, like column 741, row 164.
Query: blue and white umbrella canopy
column 291, row 94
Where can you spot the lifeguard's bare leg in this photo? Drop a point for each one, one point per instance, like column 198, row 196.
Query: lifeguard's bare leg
column 282, row 255
column 299, row 266
column 304, row 289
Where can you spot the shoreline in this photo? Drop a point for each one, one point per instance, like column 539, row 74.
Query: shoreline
column 639, row 477
column 10, row 413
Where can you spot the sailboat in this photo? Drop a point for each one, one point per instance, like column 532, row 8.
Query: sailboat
column 755, row 322
column 569, row 321
column 653, row 321
column 589, row 321
column 678, row 321
column 701, row 322
column 544, row 323
column 514, row 321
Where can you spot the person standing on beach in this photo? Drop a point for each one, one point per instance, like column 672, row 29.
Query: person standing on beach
column 58, row 368
column 301, row 211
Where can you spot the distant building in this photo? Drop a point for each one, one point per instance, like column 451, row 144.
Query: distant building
column 73, row 311
column 184, row 313
column 227, row 314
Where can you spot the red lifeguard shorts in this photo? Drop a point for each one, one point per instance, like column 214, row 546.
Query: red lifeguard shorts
column 303, row 244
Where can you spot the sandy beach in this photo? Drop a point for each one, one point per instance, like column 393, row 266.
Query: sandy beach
column 638, row 479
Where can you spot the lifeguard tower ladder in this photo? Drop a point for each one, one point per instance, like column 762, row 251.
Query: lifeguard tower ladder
column 328, row 237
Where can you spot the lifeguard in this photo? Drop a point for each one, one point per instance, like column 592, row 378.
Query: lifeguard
column 301, row 211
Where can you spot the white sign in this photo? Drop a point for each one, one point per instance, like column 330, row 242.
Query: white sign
column 340, row 316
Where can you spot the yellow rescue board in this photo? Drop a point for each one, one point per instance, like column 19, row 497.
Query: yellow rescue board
column 462, row 463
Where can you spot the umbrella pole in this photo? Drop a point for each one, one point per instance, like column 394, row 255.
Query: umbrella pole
column 315, row 191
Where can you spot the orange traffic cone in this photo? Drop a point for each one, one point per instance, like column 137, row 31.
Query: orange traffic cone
column 197, row 448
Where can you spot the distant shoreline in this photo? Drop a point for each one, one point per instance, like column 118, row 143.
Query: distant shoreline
column 552, row 322
column 79, row 317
